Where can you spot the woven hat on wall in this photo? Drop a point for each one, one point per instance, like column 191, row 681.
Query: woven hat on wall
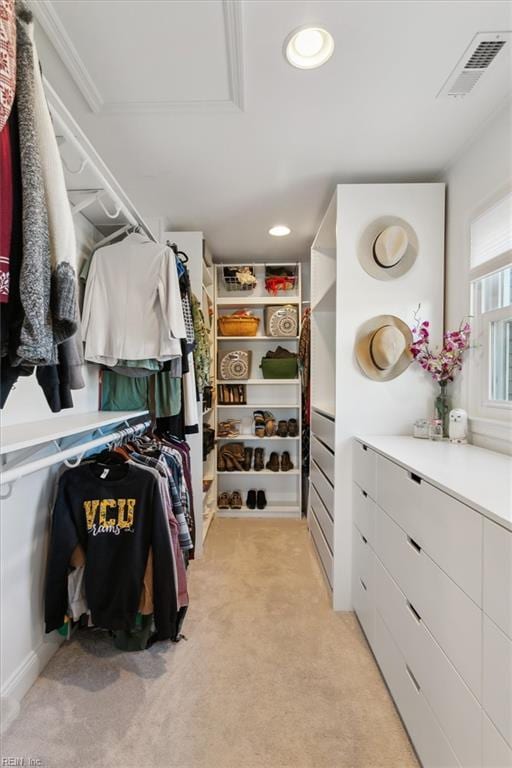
column 388, row 248
column 383, row 347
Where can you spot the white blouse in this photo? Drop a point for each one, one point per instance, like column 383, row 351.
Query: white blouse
column 132, row 305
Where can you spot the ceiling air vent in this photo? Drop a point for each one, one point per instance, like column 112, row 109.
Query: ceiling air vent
column 476, row 59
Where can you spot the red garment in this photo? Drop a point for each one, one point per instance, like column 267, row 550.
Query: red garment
column 6, row 200
column 7, row 59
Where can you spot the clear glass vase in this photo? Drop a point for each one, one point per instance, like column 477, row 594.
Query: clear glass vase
column 443, row 406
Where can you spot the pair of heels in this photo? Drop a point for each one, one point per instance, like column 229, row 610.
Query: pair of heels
column 229, row 500
column 264, row 424
column 275, row 463
column 288, row 428
column 256, row 499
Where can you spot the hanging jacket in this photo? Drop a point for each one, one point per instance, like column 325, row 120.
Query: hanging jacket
column 7, row 60
column 132, row 306
column 62, row 238
column 116, row 515
column 36, row 344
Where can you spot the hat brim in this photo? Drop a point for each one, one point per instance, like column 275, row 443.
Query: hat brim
column 362, row 348
column 365, row 252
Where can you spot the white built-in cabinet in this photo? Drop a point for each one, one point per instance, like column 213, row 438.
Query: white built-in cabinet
column 343, row 401
column 432, row 589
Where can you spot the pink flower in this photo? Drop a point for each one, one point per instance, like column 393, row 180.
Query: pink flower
column 443, row 364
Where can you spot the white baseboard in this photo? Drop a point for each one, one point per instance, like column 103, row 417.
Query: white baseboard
column 25, row 676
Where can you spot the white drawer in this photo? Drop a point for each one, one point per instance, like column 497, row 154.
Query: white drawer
column 323, row 518
column 364, row 510
column 498, row 575
column 323, row 488
column 497, row 678
column 364, row 468
column 496, row 752
column 429, row 741
column 363, row 587
column 324, row 458
column 321, row 546
column 450, row 532
column 323, row 428
column 455, row 707
column 450, row 615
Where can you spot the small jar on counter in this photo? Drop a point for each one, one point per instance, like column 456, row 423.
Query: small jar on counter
column 421, row 429
column 436, row 429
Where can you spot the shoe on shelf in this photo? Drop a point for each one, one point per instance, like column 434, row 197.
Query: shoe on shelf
column 261, row 500
column 247, row 458
column 273, row 462
column 293, row 428
column 270, row 424
column 259, row 459
column 223, row 500
column 235, row 501
column 286, row 462
column 221, row 464
column 230, row 428
column 259, row 423
column 282, row 429
column 251, row 499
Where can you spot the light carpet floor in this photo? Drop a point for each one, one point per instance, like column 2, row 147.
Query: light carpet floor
column 269, row 677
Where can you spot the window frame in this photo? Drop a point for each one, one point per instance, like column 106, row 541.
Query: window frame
column 481, row 407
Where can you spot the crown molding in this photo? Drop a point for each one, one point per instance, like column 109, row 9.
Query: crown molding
column 49, row 20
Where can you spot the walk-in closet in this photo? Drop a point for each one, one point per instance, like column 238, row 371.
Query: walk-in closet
column 256, row 383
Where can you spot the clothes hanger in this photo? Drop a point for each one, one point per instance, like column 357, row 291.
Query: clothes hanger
column 174, row 249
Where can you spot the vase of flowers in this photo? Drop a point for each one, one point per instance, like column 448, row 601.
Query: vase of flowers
column 442, row 365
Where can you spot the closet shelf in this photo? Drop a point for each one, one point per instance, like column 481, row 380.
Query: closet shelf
column 19, row 436
column 261, row 406
column 327, row 301
column 207, row 521
column 267, row 382
column 274, row 510
column 326, row 410
column 256, row 438
column 266, row 472
column 257, row 338
column 256, row 301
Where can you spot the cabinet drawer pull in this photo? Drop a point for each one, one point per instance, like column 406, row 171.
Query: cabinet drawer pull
column 364, row 447
column 363, row 585
column 415, row 478
column 413, row 544
column 415, row 682
column 365, row 540
column 364, row 494
column 413, row 611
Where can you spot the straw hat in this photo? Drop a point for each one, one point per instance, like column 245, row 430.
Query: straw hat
column 383, row 347
column 388, row 248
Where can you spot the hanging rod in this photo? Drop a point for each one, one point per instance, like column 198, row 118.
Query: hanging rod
column 11, row 475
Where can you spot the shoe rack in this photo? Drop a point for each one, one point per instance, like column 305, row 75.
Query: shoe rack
column 282, row 397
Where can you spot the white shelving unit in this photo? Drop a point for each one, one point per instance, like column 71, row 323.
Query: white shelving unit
column 343, row 400
column 282, row 397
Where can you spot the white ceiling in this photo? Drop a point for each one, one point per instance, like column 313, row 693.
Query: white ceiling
column 197, row 113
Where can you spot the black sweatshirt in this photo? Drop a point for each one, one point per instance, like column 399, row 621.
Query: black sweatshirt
column 116, row 519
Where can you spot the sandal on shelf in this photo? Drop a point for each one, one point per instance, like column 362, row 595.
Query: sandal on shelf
column 259, row 423
column 235, row 501
column 293, row 428
column 282, row 429
column 223, row 500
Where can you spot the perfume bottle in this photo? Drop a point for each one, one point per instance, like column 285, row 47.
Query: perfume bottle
column 436, row 429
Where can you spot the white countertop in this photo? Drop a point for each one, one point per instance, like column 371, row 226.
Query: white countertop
column 480, row 478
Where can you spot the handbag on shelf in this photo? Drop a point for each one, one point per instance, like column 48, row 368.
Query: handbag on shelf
column 279, row 364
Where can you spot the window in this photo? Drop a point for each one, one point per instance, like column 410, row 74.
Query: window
column 491, row 284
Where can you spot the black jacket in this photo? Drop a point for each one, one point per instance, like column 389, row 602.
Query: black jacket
column 116, row 519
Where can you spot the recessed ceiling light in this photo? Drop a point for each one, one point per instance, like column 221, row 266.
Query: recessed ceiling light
column 308, row 47
column 280, row 230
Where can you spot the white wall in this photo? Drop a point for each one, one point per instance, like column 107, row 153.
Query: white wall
column 473, row 180
column 24, row 526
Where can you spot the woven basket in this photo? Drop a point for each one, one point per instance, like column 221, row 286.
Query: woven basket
column 238, row 326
